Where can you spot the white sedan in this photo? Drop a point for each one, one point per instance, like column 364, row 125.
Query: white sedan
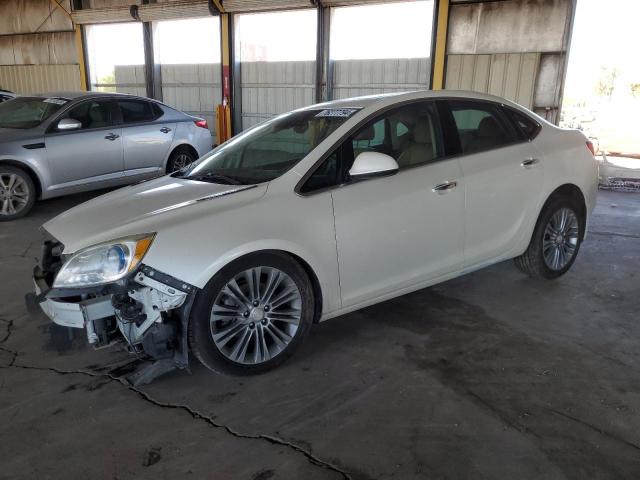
column 314, row 214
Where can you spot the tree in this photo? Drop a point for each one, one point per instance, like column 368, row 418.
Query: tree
column 606, row 82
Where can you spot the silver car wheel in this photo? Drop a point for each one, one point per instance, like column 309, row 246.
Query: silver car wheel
column 256, row 315
column 181, row 161
column 14, row 194
column 560, row 239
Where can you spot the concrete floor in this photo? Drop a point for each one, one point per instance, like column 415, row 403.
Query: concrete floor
column 492, row 375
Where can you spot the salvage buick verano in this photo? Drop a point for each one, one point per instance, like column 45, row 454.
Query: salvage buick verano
column 314, row 214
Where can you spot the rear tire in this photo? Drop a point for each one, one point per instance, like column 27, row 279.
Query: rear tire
column 556, row 240
column 180, row 158
column 17, row 193
column 252, row 315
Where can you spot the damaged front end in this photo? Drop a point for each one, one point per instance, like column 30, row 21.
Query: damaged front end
column 146, row 310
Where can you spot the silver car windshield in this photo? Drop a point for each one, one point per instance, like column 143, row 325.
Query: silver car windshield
column 268, row 150
column 28, row 112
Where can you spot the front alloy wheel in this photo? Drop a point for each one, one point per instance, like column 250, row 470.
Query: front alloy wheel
column 252, row 315
column 256, row 315
column 17, row 193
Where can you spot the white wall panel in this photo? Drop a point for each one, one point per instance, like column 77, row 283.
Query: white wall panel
column 129, row 79
column 507, row 27
column 193, row 89
column 25, row 79
column 366, row 77
column 271, row 88
column 511, row 76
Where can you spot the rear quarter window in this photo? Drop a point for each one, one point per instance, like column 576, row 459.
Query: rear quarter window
column 138, row 111
column 527, row 127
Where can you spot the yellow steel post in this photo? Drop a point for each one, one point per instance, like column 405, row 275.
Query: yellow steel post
column 80, row 51
column 441, row 45
column 225, row 44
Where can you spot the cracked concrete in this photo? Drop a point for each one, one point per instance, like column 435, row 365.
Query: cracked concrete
column 491, row 375
column 194, row 413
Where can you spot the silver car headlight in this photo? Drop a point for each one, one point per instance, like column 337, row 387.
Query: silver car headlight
column 103, row 263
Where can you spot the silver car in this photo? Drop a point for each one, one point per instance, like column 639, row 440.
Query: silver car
column 6, row 95
column 62, row 143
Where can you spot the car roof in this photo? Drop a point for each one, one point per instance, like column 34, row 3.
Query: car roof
column 76, row 95
column 369, row 100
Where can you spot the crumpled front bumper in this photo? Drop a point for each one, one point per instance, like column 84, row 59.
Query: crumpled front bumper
column 70, row 314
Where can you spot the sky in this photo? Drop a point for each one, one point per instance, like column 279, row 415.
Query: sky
column 605, row 34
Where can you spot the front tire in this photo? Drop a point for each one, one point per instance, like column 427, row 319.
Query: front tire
column 252, row 315
column 17, row 193
column 556, row 240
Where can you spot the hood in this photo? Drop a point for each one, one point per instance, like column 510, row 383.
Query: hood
column 19, row 134
column 144, row 208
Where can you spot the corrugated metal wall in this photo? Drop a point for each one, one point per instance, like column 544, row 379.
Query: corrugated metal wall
column 130, row 79
column 270, row 88
column 508, row 75
column 37, row 47
column 353, row 78
column 514, row 49
column 27, row 79
column 194, row 89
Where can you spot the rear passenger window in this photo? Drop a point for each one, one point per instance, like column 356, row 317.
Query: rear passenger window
column 525, row 124
column 480, row 126
column 137, row 111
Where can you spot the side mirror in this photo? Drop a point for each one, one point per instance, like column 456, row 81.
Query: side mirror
column 69, row 124
column 371, row 165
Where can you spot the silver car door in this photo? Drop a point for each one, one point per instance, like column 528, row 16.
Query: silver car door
column 91, row 153
column 146, row 138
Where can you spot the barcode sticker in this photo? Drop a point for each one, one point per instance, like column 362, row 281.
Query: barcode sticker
column 57, row 101
column 337, row 112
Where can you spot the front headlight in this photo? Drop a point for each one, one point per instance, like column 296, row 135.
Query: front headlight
column 104, row 263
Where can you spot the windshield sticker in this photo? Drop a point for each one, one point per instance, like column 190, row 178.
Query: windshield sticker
column 57, row 101
column 337, row 112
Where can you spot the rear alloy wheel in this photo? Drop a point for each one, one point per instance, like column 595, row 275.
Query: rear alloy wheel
column 555, row 242
column 180, row 158
column 252, row 315
column 560, row 239
column 17, row 193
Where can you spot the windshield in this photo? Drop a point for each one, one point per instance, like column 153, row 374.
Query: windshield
column 268, row 150
column 28, row 112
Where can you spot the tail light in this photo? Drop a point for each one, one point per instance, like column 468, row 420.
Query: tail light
column 591, row 148
column 201, row 124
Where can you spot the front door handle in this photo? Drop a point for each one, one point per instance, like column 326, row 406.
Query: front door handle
column 112, row 136
column 529, row 162
column 442, row 188
column 165, row 130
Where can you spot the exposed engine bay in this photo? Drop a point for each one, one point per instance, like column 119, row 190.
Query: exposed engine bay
column 147, row 312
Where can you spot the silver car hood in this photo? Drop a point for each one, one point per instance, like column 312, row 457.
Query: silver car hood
column 144, row 208
column 19, row 134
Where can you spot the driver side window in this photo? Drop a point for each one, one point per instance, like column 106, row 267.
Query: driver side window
column 92, row 114
column 410, row 134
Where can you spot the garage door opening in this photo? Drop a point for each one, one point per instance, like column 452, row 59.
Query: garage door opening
column 277, row 62
column 380, row 48
column 602, row 89
column 116, row 58
column 188, row 53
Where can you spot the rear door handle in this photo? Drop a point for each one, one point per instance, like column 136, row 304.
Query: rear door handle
column 442, row 188
column 165, row 130
column 112, row 136
column 529, row 162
